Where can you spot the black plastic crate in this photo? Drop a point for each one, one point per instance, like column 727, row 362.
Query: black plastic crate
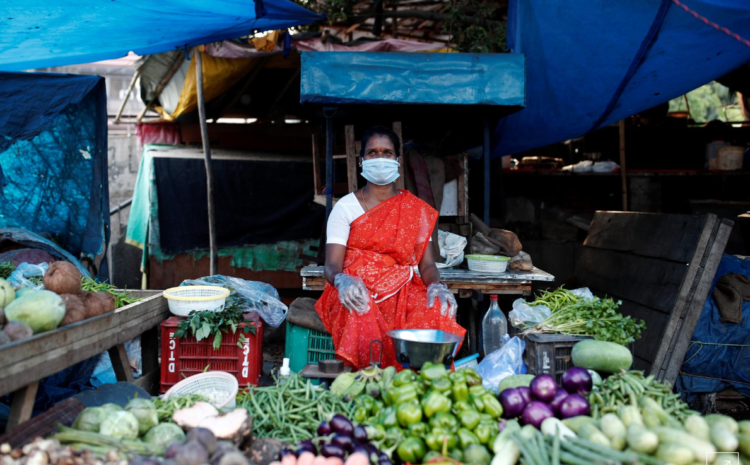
column 549, row 353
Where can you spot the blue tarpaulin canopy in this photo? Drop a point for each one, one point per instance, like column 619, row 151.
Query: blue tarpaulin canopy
column 413, row 78
column 47, row 33
column 590, row 64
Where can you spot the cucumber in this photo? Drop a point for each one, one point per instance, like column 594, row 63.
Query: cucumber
column 701, row 449
column 591, row 433
column 730, row 423
column 614, row 429
column 723, row 439
column 698, row 427
column 552, row 427
column 650, row 419
column 642, row 440
column 515, row 381
column 630, row 415
column 675, row 454
column 575, row 423
column 601, row 356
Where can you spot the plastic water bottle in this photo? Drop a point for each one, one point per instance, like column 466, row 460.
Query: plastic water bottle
column 285, row 371
column 494, row 327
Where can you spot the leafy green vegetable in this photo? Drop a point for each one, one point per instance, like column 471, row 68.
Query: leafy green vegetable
column 166, row 407
column 577, row 316
column 121, row 298
column 203, row 324
column 6, row 268
column 162, row 435
column 90, row 419
column 120, row 425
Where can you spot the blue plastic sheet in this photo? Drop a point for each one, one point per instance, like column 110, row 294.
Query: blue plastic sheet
column 590, row 64
column 413, row 78
column 718, row 349
column 53, row 159
column 47, row 33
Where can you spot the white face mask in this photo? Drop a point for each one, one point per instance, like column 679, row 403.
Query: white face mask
column 380, row 171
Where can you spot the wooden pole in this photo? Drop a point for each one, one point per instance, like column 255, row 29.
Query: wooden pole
column 623, row 170
column 136, row 75
column 486, row 171
column 214, row 262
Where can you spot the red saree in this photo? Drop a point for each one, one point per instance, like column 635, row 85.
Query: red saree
column 384, row 245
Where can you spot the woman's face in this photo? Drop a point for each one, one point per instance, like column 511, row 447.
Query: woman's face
column 379, row 146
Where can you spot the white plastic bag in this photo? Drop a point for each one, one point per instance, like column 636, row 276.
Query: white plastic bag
column 248, row 296
column 584, row 292
column 524, row 315
column 451, row 248
column 605, row 167
column 505, row 361
column 19, row 277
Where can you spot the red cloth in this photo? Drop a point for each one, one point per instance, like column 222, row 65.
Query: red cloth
column 158, row 133
column 384, row 244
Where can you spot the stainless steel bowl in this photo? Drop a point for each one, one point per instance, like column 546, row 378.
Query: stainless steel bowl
column 415, row 347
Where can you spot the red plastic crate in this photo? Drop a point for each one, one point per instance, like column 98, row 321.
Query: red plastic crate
column 185, row 357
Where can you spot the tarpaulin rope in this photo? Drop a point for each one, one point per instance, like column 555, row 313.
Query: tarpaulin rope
column 646, row 45
column 711, row 23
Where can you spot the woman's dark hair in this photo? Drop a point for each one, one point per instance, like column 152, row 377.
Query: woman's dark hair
column 379, row 131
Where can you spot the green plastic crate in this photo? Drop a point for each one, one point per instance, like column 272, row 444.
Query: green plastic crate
column 304, row 346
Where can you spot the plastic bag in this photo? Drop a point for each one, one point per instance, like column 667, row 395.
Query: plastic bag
column 19, row 277
column 524, row 315
column 584, row 292
column 505, row 361
column 248, row 296
column 451, row 248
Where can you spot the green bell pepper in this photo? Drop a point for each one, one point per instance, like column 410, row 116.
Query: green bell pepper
column 419, row 429
column 430, row 372
column 485, row 418
column 408, row 413
column 388, row 417
column 377, row 406
column 469, row 419
column 431, row 455
column 460, row 391
column 411, row 450
column 435, row 402
column 404, row 393
column 456, row 454
column 442, row 385
column 477, row 402
column 360, row 414
column 404, row 377
column 486, row 432
column 472, row 377
column 477, row 390
column 466, row 437
column 492, row 406
column 444, row 420
column 457, row 376
column 461, row 405
column 437, row 436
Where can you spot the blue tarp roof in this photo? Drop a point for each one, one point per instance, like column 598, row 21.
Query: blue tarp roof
column 413, row 78
column 590, row 64
column 45, row 33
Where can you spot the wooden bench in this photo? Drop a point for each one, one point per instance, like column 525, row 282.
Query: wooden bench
column 661, row 266
column 23, row 363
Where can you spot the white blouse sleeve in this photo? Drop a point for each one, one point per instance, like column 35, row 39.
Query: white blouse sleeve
column 337, row 230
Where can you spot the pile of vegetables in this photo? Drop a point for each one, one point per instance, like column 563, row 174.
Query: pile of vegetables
column 202, row 324
column 165, row 408
column 371, row 380
column 292, row 410
column 51, row 452
column 579, row 316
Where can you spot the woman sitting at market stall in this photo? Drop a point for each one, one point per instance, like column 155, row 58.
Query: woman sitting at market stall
column 375, row 237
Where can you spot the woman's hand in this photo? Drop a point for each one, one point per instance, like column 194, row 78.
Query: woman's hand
column 352, row 293
column 440, row 292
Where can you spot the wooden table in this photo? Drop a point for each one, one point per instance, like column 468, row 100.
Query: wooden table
column 23, row 363
column 463, row 283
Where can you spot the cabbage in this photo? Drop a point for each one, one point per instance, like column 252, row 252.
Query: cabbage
column 40, row 310
column 120, row 425
column 145, row 412
column 90, row 419
column 109, row 408
column 162, row 435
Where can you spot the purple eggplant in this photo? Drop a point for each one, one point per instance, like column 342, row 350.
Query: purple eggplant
column 543, row 388
column 577, row 380
column 324, row 429
column 360, row 434
column 307, row 446
column 286, row 451
column 535, row 413
column 361, row 448
column 333, row 450
column 343, row 440
column 512, row 402
column 340, row 424
column 574, row 405
column 557, row 401
column 525, row 394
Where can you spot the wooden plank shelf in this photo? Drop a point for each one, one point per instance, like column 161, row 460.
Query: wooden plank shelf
column 23, row 363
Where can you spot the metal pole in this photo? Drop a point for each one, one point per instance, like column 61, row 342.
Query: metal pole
column 214, row 262
column 329, row 161
column 623, row 170
column 486, row 171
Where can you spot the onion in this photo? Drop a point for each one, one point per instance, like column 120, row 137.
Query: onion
column 574, row 405
column 512, row 402
column 557, row 401
column 536, row 412
column 577, row 380
column 543, row 387
column 525, row 394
